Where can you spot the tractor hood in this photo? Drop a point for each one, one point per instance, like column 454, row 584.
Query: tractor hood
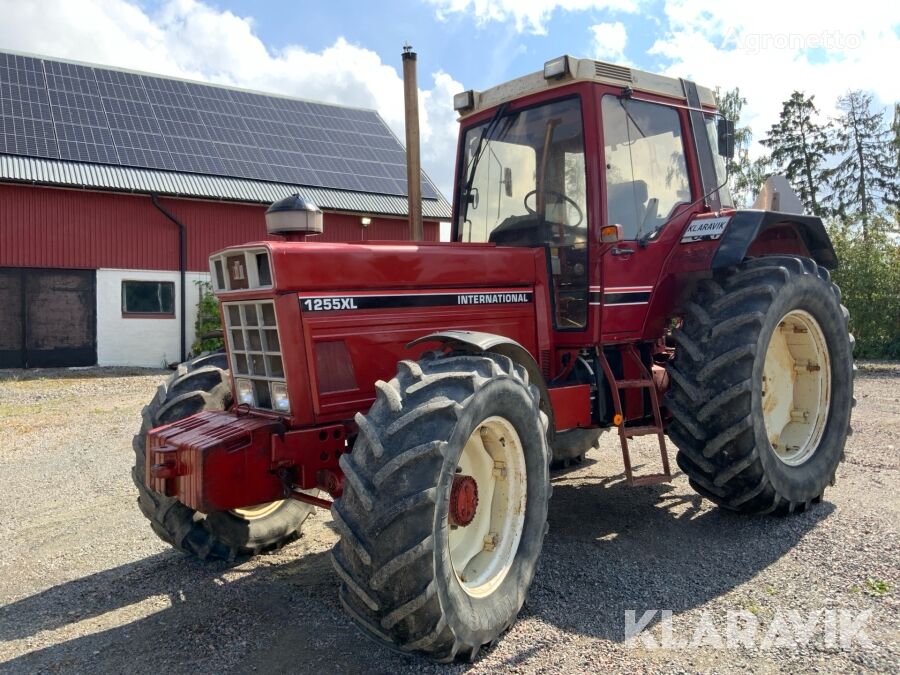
column 371, row 266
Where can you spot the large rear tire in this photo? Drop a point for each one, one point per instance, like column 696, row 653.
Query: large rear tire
column 205, row 384
column 411, row 577
column 761, row 387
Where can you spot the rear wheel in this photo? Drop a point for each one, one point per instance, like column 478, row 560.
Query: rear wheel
column 204, row 384
column 761, row 387
column 444, row 509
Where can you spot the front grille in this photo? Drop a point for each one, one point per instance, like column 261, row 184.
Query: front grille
column 240, row 270
column 255, row 348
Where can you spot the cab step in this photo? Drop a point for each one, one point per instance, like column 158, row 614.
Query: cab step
column 644, row 381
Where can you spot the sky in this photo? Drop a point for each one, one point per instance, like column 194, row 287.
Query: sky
column 348, row 52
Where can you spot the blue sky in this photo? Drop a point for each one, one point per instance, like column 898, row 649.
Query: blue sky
column 348, row 52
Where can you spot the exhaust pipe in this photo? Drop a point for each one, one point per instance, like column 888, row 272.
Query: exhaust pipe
column 413, row 159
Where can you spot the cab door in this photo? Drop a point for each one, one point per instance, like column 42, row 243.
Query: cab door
column 647, row 190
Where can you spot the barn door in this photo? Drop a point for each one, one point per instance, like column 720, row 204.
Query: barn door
column 12, row 319
column 49, row 318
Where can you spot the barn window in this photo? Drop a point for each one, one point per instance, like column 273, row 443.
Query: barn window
column 148, row 298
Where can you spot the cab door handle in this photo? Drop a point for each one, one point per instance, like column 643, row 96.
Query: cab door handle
column 616, row 250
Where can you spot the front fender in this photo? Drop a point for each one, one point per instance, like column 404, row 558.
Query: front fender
column 498, row 344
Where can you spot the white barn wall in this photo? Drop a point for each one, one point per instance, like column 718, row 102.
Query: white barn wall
column 152, row 342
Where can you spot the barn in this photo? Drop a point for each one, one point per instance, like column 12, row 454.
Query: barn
column 115, row 186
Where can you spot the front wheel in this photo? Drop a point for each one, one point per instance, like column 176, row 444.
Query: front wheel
column 444, row 510
column 204, row 384
column 762, row 385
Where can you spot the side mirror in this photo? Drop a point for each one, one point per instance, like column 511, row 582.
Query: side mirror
column 611, row 234
column 726, row 138
column 507, row 181
column 472, row 197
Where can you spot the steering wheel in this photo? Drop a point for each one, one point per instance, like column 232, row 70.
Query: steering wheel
column 563, row 198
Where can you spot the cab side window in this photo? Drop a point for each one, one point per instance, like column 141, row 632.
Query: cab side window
column 646, row 171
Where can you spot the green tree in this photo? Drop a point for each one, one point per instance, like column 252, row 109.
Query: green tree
column 895, row 127
column 869, row 278
column 800, row 149
column 745, row 176
column 208, row 320
column 866, row 176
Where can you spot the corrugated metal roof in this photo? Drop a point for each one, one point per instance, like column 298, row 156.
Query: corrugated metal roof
column 128, row 179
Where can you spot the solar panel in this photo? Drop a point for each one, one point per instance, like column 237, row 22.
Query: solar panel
column 63, row 110
column 26, row 125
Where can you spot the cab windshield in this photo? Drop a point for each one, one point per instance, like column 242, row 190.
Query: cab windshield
column 522, row 179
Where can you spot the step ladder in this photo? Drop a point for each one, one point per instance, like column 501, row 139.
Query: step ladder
column 644, row 381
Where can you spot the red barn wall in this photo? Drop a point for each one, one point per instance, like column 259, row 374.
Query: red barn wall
column 78, row 229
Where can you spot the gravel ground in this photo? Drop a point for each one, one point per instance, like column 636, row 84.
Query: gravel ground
column 86, row 586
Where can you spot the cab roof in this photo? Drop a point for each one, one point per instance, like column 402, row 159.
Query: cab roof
column 584, row 70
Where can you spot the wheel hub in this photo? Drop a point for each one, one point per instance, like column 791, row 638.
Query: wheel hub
column 486, row 510
column 463, row 500
column 796, row 387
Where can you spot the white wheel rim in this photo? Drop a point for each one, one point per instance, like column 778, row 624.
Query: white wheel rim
column 483, row 551
column 259, row 510
column 796, row 387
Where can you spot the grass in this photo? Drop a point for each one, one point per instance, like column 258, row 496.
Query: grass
column 877, row 588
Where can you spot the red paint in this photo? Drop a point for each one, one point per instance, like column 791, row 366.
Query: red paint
column 783, row 238
column 79, row 229
column 463, row 500
column 376, row 339
column 215, row 461
column 571, row 406
column 371, row 266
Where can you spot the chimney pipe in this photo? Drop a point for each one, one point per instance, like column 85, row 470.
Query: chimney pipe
column 413, row 159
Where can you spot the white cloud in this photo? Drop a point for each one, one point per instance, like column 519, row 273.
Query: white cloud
column 609, row 41
column 187, row 38
column 528, row 15
column 770, row 48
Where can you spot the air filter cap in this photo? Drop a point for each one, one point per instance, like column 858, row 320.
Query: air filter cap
column 294, row 214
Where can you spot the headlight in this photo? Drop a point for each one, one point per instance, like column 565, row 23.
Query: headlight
column 280, row 400
column 244, row 391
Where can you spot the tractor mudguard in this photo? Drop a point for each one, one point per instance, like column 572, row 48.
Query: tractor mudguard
column 746, row 226
column 498, row 344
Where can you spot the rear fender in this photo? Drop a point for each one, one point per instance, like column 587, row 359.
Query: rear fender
column 753, row 232
column 488, row 342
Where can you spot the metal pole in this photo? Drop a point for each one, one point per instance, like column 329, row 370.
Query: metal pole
column 413, row 159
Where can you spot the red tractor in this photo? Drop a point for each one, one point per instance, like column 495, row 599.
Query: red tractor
column 598, row 277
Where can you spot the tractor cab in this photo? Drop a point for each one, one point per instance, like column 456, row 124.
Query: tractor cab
column 551, row 159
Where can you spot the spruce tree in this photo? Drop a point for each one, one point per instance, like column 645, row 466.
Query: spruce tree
column 800, row 150
column 866, row 176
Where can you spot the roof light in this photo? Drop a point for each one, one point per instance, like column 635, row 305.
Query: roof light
column 558, row 67
column 464, row 100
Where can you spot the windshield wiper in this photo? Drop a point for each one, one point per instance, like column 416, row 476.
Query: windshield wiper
column 479, row 150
